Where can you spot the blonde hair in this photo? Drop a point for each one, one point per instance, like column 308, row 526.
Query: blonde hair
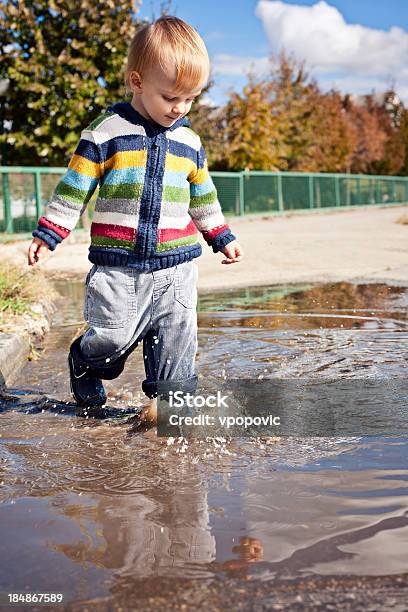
column 169, row 40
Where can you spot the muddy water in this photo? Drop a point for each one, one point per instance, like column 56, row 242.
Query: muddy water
column 112, row 518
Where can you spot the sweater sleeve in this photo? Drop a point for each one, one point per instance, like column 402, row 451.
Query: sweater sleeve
column 205, row 209
column 72, row 194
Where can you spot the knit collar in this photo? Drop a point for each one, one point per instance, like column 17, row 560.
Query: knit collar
column 126, row 110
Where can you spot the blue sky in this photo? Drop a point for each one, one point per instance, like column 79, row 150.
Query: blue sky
column 347, row 44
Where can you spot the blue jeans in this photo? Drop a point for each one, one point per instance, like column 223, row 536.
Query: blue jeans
column 124, row 306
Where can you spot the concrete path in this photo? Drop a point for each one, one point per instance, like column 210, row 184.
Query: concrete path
column 361, row 244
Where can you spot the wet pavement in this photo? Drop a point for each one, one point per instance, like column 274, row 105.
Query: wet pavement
column 116, row 519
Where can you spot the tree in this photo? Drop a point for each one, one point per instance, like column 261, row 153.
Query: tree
column 366, row 136
column 251, row 129
column 209, row 122
column 65, row 60
column 292, row 105
column 332, row 148
column 404, row 136
column 284, row 122
column 389, row 113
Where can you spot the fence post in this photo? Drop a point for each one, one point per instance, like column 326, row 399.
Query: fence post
column 7, row 206
column 311, row 192
column 241, row 194
column 38, row 199
column 280, row 194
column 371, row 191
column 337, row 190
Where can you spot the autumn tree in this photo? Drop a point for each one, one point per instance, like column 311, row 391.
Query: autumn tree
column 210, row 123
column 251, row 129
column 284, row 122
column 331, row 147
column 293, row 95
column 366, row 136
column 65, row 61
column 269, row 125
column 389, row 112
column 404, row 136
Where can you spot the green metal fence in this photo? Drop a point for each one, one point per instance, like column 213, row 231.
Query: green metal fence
column 242, row 193
column 25, row 191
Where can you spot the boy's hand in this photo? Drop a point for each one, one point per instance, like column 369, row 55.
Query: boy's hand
column 233, row 251
column 36, row 250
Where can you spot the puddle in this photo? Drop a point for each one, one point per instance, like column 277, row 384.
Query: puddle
column 91, row 509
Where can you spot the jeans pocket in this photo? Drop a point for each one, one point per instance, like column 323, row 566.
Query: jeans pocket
column 185, row 284
column 108, row 297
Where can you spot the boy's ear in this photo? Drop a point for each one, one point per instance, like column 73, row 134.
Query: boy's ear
column 135, row 81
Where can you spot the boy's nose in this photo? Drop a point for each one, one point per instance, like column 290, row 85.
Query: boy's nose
column 179, row 109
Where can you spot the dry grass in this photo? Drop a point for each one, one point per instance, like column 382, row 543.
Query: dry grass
column 25, row 297
column 20, row 288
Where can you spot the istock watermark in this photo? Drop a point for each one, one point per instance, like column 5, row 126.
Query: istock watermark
column 224, row 421
column 281, row 407
column 207, row 414
column 202, row 414
column 178, row 399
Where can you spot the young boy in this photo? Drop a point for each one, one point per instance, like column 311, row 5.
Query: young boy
column 154, row 193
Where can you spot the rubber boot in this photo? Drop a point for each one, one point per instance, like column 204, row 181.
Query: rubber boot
column 86, row 387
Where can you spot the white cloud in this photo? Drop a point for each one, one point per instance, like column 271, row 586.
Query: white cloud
column 223, row 63
column 348, row 55
column 320, row 35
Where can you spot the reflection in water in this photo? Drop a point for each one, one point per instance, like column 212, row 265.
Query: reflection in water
column 338, row 330
column 91, row 510
column 159, row 530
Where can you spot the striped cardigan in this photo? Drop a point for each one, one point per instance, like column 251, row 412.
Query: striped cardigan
column 155, row 192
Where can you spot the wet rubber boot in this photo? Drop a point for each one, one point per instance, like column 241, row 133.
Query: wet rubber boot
column 86, row 388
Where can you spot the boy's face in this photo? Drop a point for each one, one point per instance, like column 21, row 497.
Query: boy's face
column 155, row 99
